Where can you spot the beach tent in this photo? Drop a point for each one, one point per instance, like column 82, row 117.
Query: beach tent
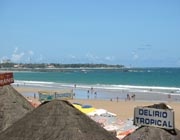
column 13, row 106
column 56, row 120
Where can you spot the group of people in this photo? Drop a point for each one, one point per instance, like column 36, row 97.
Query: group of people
column 133, row 96
column 128, row 98
column 92, row 92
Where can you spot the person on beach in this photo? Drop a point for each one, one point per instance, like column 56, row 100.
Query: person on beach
column 133, row 97
column 169, row 96
column 95, row 94
column 91, row 89
column 128, row 97
column 117, row 98
column 34, row 95
column 87, row 94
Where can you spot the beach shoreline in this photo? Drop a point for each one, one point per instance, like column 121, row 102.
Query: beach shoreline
column 104, row 92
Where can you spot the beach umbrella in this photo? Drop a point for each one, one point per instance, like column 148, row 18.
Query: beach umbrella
column 84, row 108
column 13, row 106
column 87, row 109
column 56, row 120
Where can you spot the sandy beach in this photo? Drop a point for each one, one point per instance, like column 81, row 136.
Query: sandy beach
column 123, row 109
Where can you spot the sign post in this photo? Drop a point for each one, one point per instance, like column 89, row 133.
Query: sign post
column 50, row 95
column 6, row 78
column 162, row 118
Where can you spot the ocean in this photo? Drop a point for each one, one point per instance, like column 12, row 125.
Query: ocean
column 116, row 81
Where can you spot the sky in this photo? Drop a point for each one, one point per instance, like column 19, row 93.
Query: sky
column 134, row 33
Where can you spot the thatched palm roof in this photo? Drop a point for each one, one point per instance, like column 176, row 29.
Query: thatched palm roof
column 56, row 120
column 152, row 133
column 13, row 106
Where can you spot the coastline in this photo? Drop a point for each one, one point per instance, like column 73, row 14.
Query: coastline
column 105, row 92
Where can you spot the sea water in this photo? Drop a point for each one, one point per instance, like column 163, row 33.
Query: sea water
column 118, row 82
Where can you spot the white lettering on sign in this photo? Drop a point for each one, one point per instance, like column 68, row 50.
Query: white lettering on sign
column 6, row 78
column 154, row 117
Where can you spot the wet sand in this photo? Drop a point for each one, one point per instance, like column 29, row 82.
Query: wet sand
column 123, row 109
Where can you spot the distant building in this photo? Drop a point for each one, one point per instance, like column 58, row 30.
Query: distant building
column 18, row 66
column 50, row 66
column 5, row 61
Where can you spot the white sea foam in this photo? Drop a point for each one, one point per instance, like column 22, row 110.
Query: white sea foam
column 108, row 92
column 130, row 88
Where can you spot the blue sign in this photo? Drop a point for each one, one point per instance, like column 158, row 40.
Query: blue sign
column 50, row 95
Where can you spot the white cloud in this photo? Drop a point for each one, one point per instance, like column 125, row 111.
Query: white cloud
column 109, row 58
column 40, row 58
column 4, row 57
column 72, row 56
column 135, row 55
column 96, row 59
column 91, row 57
column 30, row 52
column 21, row 56
column 15, row 50
column 17, row 57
